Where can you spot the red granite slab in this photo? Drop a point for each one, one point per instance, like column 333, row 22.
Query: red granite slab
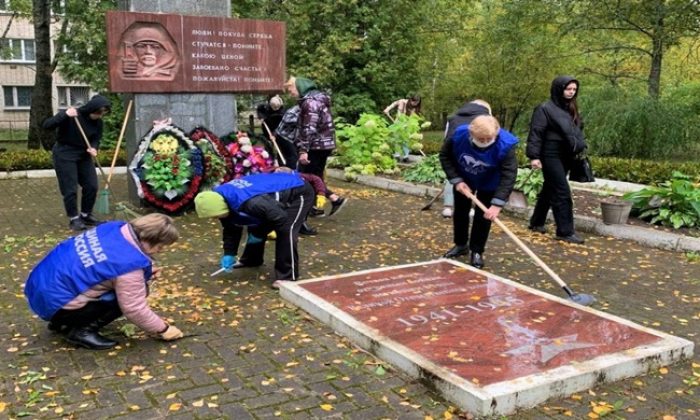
column 481, row 328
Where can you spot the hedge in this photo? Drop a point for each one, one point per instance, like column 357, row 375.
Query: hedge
column 629, row 170
column 41, row 159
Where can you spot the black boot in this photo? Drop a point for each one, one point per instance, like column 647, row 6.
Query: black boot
column 90, row 220
column 307, row 230
column 89, row 338
column 476, row 260
column 456, row 251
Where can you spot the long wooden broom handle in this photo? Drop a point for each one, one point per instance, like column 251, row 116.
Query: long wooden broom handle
column 119, row 141
column 89, row 146
column 520, row 243
column 274, row 142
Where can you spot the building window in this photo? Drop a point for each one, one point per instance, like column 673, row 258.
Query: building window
column 18, row 50
column 17, row 97
column 72, row 96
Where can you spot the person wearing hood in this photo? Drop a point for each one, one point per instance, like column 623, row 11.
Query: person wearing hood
column 315, row 139
column 73, row 159
column 464, row 115
column 555, row 138
column 481, row 161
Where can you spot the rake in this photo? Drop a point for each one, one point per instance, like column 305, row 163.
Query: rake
column 102, row 206
column 580, row 298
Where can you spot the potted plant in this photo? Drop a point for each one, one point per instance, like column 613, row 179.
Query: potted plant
column 527, row 185
column 615, row 210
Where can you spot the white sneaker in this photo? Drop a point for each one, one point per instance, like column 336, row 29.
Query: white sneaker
column 447, row 212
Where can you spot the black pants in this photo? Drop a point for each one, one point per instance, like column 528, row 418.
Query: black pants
column 317, row 165
column 460, row 221
column 286, row 255
column 289, row 152
column 98, row 313
column 555, row 194
column 75, row 167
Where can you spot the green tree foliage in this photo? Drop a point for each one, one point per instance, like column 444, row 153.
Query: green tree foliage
column 363, row 52
column 514, row 56
column 630, row 32
column 82, row 42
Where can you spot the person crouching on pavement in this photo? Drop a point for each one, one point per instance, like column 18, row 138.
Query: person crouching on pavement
column 263, row 202
column 480, row 158
column 89, row 280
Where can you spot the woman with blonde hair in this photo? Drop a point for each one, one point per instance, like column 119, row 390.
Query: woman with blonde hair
column 89, row 280
column 479, row 160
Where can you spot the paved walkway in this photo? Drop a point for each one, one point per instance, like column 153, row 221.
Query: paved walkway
column 255, row 356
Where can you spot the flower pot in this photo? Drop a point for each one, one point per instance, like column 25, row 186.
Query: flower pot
column 517, row 199
column 615, row 211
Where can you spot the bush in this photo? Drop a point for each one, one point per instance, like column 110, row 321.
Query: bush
column 640, row 171
column 634, row 125
column 673, row 203
column 41, row 159
column 369, row 146
column 428, row 171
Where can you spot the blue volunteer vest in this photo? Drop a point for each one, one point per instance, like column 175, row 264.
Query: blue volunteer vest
column 240, row 190
column 481, row 168
column 79, row 263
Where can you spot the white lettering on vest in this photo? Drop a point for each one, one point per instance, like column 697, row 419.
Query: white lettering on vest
column 82, row 249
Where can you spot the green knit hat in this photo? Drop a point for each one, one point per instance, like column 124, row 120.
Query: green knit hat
column 210, row 204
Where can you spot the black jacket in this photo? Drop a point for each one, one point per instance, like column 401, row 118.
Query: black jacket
column 68, row 133
column 553, row 132
column 270, row 209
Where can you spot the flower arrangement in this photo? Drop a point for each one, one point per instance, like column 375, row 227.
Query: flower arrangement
column 248, row 158
column 167, row 168
column 218, row 166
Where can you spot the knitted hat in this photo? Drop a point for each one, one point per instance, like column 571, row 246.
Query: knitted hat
column 210, row 204
column 276, row 103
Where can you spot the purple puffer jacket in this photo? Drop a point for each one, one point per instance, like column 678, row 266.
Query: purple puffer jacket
column 316, row 129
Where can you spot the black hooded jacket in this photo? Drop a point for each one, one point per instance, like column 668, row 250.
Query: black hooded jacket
column 68, row 133
column 553, row 132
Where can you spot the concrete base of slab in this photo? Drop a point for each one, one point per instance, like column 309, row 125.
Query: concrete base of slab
column 352, row 313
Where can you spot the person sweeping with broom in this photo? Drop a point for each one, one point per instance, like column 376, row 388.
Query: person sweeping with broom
column 73, row 160
column 479, row 160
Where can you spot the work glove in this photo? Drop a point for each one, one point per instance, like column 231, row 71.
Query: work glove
column 227, row 262
column 320, row 201
column 252, row 239
column 172, row 333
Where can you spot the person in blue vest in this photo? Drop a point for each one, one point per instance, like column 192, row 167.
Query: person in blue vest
column 478, row 158
column 264, row 203
column 89, row 280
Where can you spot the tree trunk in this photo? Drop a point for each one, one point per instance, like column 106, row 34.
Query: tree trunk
column 657, row 54
column 42, row 107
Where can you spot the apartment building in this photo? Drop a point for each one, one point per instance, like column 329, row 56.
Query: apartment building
column 17, row 70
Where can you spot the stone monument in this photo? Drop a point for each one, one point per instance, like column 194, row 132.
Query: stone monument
column 488, row 344
column 147, row 62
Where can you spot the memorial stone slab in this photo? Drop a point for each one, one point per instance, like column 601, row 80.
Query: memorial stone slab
column 487, row 343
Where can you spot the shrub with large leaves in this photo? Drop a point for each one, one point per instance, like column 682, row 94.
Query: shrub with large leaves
column 369, row 146
column 672, row 203
column 428, row 171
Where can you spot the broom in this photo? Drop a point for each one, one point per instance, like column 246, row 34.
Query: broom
column 89, row 146
column 102, row 206
column 274, row 142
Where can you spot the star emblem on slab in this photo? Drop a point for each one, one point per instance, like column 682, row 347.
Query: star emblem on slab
column 550, row 347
